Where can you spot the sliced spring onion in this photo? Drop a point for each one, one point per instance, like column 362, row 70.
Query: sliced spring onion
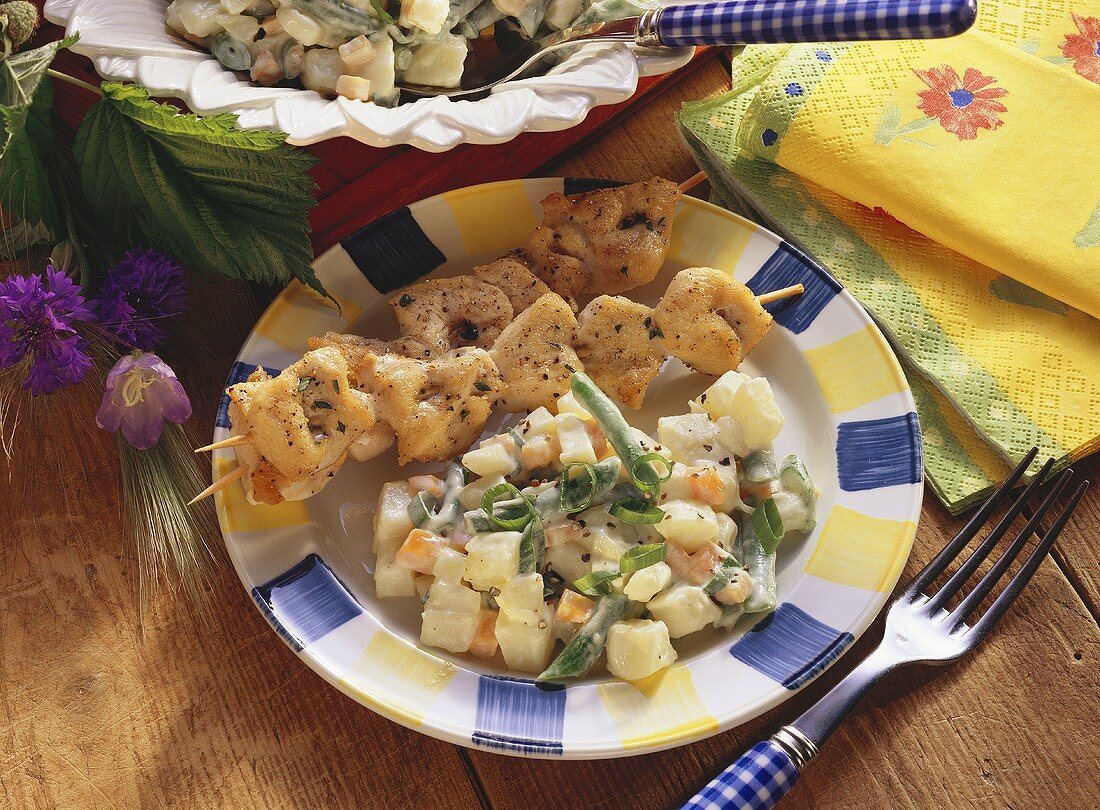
column 722, row 576
column 577, row 491
column 641, row 557
column 768, row 525
column 422, row 509
column 646, row 476
column 513, row 514
column 596, row 583
column 532, row 546
column 635, row 510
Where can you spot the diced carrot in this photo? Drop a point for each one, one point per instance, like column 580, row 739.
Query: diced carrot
column 562, row 533
column 706, row 485
column 427, row 483
column 596, row 436
column 539, row 452
column 678, row 560
column 704, row 561
column 484, row 644
column 762, row 490
column 574, row 608
column 419, row 551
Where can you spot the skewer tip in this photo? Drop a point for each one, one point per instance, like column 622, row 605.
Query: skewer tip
column 232, row 441
column 779, row 295
column 692, row 182
column 220, row 484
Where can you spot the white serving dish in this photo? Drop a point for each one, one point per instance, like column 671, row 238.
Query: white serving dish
column 127, row 40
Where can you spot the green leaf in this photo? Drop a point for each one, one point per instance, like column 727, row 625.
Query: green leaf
column 21, row 75
column 221, row 200
column 25, row 191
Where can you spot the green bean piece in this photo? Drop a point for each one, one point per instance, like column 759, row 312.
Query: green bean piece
column 449, row 513
column 729, row 617
column 231, row 52
column 609, row 418
column 477, row 522
column 759, row 467
column 344, row 17
column 761, row 567
column 421, row 509
column 532, row 547
column 795, row 479
column 581, row 653
column 547, row 499
column 483, row 16
column 460, row 9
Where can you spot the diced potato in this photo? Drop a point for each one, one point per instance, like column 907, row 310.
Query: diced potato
column 718, row 399
column 637, row 648
column 450, row 566
column 574, row 440
column 574, row 607
column 568, row 403
column 539, row 421
column 567, row 559
column 356, row 52
column 240, row 26
column 684, row 609
column 492, row 559
column 607, row 549
column 422, row 583
column 727, row 531
column 691, row 438
column 489, row 459
column 561, row 13
column 300, row 26
column 452, row 611
column 391, row 527
column 645, row 584
column 688, row 525
column 196, row 17
column 470, row 495
column 791, row 509
column 755, row 410
column 321, row 69
column 427, row 15
column 732, row 436
column 539, row 452
column 379, row 70
column 439, row 62
column 353, row 87
column 524, row 627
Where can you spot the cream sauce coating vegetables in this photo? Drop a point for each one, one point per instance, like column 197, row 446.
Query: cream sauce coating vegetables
column 576, row 528
column 360, row 49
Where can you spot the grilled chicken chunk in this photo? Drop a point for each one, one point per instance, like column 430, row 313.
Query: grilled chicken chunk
column 710, row 320
column 301, row 424
column 355, row 349
column 535, row 355
column 512, row 274
column 449, row 313
column 605, row 241
column 620, row 345
column 437, row 408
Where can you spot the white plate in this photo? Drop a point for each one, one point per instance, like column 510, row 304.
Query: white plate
column 849, row 416
column 127, row 40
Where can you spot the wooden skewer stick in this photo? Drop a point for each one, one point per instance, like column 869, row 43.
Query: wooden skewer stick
column 232, row 441
column 692, row 182
column 779, row 295
column 220, row 484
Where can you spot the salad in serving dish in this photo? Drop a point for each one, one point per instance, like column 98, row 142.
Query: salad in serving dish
column 363, row 49
column 577, row 528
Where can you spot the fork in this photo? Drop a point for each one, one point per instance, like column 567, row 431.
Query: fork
column 919, row 629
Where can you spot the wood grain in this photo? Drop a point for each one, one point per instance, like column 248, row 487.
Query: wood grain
column 214, row 711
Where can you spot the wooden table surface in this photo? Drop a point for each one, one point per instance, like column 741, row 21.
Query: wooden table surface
column 215, row 711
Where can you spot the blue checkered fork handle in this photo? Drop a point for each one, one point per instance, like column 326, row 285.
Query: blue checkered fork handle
column 756, row 781
column 745, row 22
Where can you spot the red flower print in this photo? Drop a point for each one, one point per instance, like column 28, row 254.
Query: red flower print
column 963, row 106
column 1084, row 47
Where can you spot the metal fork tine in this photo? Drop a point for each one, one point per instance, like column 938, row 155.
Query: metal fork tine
column 951, row 587
column 951, row 550
column 1017, row 583
column 993, row 576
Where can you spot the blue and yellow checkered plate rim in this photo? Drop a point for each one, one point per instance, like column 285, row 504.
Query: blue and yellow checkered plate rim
column 849, row 415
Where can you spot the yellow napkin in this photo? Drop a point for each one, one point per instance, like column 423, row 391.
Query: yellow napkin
column 971, row 232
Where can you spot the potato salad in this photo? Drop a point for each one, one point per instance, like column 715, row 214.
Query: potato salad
column 577, row 530
column 362, row 49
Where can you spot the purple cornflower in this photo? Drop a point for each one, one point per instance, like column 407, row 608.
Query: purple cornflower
column 37, row 324
column 139, row 295
column 142, row 393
